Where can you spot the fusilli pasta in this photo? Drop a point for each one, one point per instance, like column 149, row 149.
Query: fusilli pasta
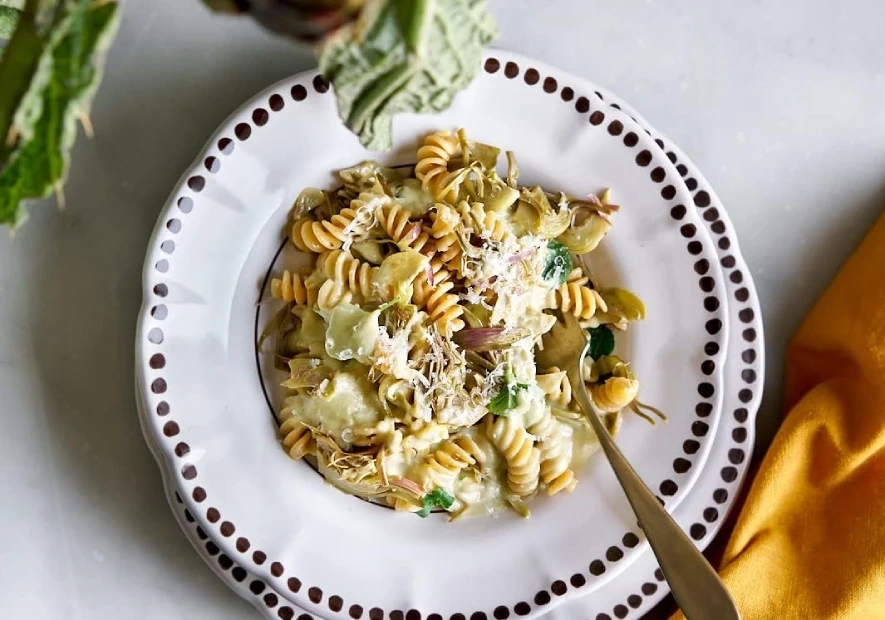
column 523, row 458
column 411, row 341
column 331, row 294
column 556, row 454
column 614, row 393
column 297, row 439
column 358, row 277
column 444, row 309
column 442, row 467
column 291, row 287
column 434, row 155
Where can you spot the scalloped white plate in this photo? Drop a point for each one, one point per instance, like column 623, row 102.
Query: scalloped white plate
column 215, row 240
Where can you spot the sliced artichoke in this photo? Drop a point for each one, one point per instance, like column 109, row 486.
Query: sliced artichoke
column 306, row 374
column 398, row 271
column 623, row 304
column 309, row 199
column 368, row 250
column 411, row 196
column 584, row 237
column 538, row 216
column 499, row 196
column 477, row 315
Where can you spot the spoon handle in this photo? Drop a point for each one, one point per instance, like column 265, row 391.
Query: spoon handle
column 695, row 585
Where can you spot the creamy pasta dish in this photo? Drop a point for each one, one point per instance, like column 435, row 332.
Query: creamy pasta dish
column 411, row 340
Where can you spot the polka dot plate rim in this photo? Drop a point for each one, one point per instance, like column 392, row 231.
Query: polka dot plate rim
column 167, row 295
column 641, row 582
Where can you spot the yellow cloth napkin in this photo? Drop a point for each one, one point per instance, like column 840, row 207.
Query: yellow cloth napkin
column 809, row 543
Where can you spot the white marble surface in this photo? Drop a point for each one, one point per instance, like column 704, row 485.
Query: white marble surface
column 780, row 103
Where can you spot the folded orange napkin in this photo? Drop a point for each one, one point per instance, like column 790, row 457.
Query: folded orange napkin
column 809, row 543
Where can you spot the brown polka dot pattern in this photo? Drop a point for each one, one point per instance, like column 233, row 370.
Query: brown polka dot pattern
column 703, row 200
column 559, row 588
column 298, row 92
column 243, row 131
column 196, row 183
column 226, row 146
column 276, row 103
column 320, row 85
column 260, row 116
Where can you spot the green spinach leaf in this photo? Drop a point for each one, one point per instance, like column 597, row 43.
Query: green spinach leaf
column 558, row 266
column 602, row 341
column 438, row 498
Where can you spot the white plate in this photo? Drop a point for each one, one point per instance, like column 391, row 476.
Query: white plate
column 195, row 346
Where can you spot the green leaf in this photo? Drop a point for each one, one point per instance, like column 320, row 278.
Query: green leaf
column 8, row 19
column 558, row 265
column 602, row 341
column 57, row 91
column 506, row 398
column 438, row 498
column 404, row 56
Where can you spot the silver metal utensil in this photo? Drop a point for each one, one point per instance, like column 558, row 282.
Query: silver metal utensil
column 695, row 585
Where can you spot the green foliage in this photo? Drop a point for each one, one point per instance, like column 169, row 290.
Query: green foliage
column 559, row 264
column 438, row 498
column 506, row 398
column 602, row 341
column 404, row 56
column 49, row 72
column 8, row 20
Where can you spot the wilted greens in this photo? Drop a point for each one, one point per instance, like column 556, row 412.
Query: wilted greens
column 49, row 70
column 404, row 56
column 386, row 57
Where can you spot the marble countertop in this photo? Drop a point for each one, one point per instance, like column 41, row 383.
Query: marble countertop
column 779, row 103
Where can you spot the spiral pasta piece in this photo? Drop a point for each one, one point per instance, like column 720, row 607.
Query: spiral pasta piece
column 517, row 447
column 614, row 394
column 332, row 293
column 441, row 468
column 556, row 473
column 424, row 286
column 296, row 438
column 577, row 276
column 310, row 236
column 556, row 455
column 291, row 288
column 434, row 155
column 577, row 299
column 556, row 386
column 473, row 215
column 357, row 276
column 444, row 220
column 444, row 309
column 407, row 234
column 494, row 228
